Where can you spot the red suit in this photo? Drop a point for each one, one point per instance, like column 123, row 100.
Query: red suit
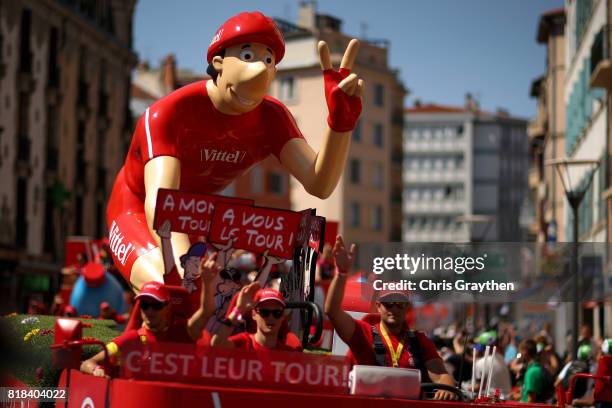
column 213, row 148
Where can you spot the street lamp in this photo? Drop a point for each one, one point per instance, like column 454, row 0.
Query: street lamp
column 472, row 220
column 576, row 176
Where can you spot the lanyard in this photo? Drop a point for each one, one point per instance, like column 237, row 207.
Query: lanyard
column 395, row 354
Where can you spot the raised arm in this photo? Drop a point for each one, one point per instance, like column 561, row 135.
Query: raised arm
column 343, row 323
column 163, row 172
column 244, row 304
column 197, row 322
column 165, row 234
column 319, row 172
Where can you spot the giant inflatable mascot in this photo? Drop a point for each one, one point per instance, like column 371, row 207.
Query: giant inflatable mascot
column 202, row 136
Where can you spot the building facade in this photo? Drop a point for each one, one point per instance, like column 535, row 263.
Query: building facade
column 367, row 200
column 461, row 162
column 547, row 133
column 65, row 126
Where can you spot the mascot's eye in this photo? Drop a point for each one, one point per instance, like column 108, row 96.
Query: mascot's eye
column 246, row 55
column 268, row 59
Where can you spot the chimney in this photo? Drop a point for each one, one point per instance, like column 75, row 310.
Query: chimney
column 169, row 73
column 470, row 103
column 307, row 17
column 503, row 113
column 417, row 103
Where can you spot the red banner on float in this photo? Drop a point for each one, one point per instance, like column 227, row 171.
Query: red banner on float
column 256, row 229
column 179, row 362
column 188, row 212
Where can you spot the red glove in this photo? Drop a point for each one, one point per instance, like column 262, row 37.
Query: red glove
column 344, row 110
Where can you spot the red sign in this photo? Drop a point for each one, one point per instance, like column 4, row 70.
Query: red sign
column 179, row 362
column 256, row 229
column 331, row 230
column 188, row 212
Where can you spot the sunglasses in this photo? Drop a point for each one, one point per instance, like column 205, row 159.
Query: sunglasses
column 152, row 305
column 276, row 313
column 399, row 305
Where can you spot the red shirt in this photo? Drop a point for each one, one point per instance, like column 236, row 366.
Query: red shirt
column 214, row 148
column 135, row 338
column 247, row 341
column 362, row 347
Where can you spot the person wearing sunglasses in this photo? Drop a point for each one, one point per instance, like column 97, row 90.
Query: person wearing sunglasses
column 390, row 342
column 267, row 308
column 154, row 303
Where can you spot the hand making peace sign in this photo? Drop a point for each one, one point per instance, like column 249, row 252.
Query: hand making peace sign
column 343, row 89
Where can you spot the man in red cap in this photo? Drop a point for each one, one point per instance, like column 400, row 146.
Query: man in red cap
column 390, row 342
column 154, row 300
column 206, row 134
column 267, row 308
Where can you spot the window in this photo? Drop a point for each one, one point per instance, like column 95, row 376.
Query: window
column 378, row 135
column 355, row 214
column 256, row 180
column 377, row 175
column 287, row 88
column 355, row 171
column 379, row 95
column 377, row 218
column 357, row 132
column 276, row 183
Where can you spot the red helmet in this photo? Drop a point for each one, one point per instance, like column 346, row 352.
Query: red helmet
column 248, row 27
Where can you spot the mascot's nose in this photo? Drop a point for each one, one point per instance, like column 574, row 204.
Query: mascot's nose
column 254, row 80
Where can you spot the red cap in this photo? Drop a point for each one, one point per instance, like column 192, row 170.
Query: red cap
column 392, row 296
column 156, row 290
column 248, row 27
column 104, row 305
column 93, row 273
column 269, row 294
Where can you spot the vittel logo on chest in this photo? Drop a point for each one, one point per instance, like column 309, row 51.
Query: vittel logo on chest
column 214, row 155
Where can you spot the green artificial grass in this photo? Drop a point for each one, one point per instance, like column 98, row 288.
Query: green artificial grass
column 24, row 358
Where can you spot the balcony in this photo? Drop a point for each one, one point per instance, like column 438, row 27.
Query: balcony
column 426, row 146
column 601, row 64
column 434, row 176
column 434, row 206
column 450, row 235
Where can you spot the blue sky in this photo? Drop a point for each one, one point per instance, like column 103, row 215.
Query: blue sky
column 443, row 48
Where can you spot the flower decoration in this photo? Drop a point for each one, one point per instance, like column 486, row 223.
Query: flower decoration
column 31, row 333
column 30, row 320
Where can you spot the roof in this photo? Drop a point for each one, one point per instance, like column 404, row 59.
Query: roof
column 435, row 108
column 138, row 92
column 547, row 20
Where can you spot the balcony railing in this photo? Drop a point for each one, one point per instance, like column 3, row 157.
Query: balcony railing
column 434, row 176
column 434, row 206
column 601, row 65
column 433, row 145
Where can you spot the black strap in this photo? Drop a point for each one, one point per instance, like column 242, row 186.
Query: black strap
column 414, row 348
column 380, row 351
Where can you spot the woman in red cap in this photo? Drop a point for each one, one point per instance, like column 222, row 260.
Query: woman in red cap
column 206, row 134
column 267, row 308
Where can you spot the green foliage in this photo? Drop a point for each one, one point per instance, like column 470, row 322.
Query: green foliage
column 24, row 357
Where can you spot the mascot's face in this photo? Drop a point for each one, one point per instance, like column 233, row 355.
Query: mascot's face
column 245, row 75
